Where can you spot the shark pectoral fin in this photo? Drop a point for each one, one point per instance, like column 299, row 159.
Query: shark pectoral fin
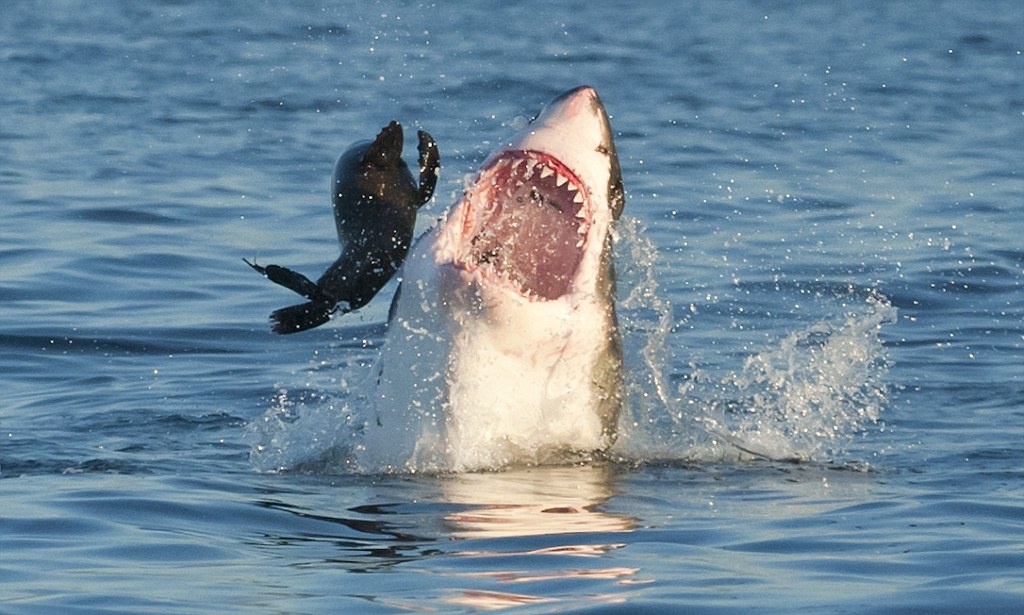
column 430, row 165
column 301, row 317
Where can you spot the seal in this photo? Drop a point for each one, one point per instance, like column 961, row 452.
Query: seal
column 375, row 200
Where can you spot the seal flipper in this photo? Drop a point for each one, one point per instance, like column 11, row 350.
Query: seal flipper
column 292, row 280
column 301, row 317
column 430, row 165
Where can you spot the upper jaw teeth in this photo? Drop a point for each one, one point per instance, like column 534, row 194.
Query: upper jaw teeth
column 516, row 169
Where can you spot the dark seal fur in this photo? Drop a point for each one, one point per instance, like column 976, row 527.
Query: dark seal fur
column 375, row 200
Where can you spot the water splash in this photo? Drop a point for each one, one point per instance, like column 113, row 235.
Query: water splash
column 811, row 394
column 312, row 430
column 803, row 398
column 806, row 398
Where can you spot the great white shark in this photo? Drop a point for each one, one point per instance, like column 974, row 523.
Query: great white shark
column 503, row 345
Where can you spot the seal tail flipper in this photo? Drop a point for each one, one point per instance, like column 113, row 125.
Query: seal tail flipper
column 301, row 317
column 430, row 165
column 292, row 280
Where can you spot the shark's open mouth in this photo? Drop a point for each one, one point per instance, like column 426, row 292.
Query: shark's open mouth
column 525, row 222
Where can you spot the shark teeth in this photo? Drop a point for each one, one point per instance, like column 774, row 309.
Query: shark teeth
column 528, row 219
column 511, row 172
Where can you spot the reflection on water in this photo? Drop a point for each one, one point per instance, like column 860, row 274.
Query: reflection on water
column 524, row 536
column 532, row 502
column 492, row 600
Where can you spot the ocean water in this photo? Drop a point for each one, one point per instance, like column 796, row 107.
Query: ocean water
column 820, row 287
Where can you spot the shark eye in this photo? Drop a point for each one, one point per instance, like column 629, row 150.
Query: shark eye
column 602, row 149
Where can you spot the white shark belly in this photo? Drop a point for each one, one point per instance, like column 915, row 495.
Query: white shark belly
column 472, row 379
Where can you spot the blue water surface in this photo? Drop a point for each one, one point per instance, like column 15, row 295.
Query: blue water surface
column 821, row 272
